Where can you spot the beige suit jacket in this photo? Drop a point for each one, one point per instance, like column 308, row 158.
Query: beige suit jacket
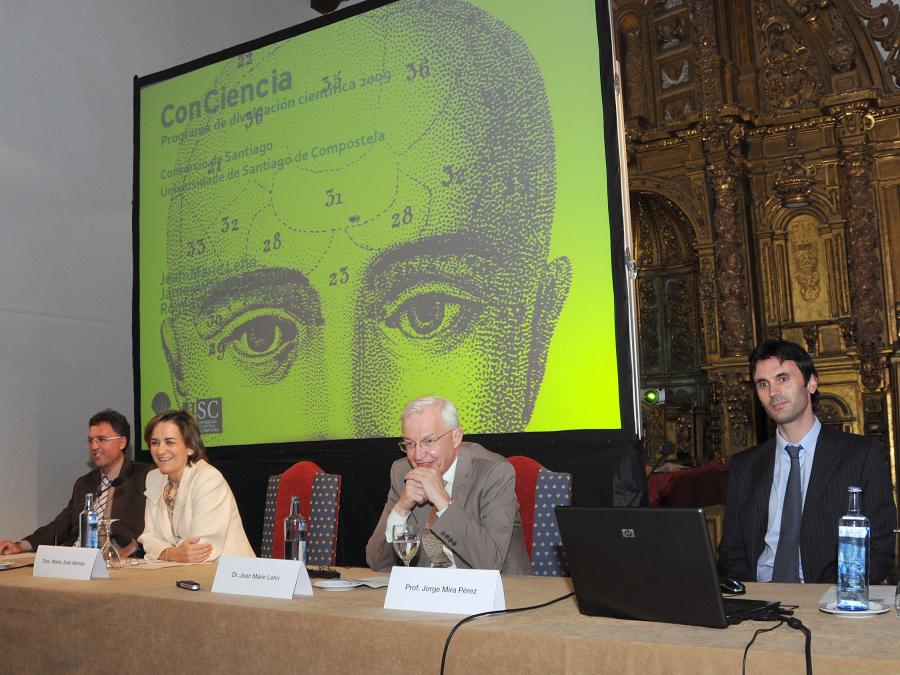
column 482, row 526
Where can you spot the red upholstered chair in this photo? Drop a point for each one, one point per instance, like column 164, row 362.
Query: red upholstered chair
column 538, row 491
column 320, row 497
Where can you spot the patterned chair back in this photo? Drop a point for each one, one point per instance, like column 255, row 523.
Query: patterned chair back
column 538, row 491
column 320, row 497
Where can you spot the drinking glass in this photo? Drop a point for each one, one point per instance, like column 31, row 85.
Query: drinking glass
column 109, row 552
column 406, row 542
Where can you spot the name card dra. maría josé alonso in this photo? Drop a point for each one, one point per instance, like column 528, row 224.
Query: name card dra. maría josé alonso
column 69, row 562
column 262, row 577
column 448, row 591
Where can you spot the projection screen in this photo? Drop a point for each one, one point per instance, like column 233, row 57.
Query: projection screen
column 404, row 198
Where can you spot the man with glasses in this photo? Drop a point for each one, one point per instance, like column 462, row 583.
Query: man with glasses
column 461, row 497
column 117, row 484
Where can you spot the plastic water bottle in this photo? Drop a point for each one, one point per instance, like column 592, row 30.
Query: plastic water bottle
column 295, row 533
column 89, row 524
column 853, row 557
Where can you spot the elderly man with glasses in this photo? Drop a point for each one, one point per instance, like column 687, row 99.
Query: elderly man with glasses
column 461, row 497
column 117, row 484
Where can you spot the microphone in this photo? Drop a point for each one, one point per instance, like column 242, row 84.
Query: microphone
column 668, row 448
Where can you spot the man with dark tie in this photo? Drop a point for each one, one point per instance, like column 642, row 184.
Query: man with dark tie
column 786, row 495
column 117, row 484
column 461, row 496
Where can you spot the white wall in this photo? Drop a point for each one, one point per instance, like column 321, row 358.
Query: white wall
column 65, row 216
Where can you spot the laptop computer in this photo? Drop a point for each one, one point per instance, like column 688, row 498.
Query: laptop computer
column 650, row 564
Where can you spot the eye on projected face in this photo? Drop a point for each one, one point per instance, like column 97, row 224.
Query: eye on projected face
column 333, row 289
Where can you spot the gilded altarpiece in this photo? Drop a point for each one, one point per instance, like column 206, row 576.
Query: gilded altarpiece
column 764, row 136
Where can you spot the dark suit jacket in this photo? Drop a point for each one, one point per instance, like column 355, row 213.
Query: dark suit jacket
column 841, row 460
column 482, row 526
column 127, row 506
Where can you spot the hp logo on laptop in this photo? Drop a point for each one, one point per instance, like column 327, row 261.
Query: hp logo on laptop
column 627, row 533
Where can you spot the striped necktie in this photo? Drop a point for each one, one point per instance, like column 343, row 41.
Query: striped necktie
column 102, row 497
column 434, row 547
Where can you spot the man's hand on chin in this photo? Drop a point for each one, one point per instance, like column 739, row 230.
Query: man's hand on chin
column 432, row 483
column 413, row 495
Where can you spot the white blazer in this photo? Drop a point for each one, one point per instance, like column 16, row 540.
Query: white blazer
column 204, row 508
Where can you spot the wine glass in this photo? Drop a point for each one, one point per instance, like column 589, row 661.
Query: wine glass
column 406, row 542
column 109, row 551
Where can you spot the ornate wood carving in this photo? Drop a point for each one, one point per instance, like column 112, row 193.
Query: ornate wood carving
column 864, row 259
column 708, row 303
column 842, row 52
column 811, row 335
column 635, row 65
column 731, row 273
column 876, row 420
column 790, row 78
column 670, row 32
column 882, row 24
column 807, row 9
column 680, row 318
column 703, row 20
column 648, row 311
column 774, row 126
column 712, row 436
column 736, row 404
column 795, row 182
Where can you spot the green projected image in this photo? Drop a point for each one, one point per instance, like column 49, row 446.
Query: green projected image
column 409, row 201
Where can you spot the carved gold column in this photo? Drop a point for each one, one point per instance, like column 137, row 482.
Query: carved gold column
column 706, row 51
column 732, row 399
column 864, row 263
column 735, row 323
column 634, row 68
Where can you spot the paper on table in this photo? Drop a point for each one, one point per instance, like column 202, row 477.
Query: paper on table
column 144, row 564
column 16, row 560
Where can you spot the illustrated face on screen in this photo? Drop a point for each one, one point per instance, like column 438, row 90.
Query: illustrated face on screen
column 383, row 236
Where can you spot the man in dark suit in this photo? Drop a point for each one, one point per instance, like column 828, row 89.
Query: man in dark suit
column 116, row 482
column 818, row 462
column 461, row 496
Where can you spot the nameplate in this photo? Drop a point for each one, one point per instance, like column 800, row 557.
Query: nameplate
column 69, row 562
column 261, row 577
column 448, row 591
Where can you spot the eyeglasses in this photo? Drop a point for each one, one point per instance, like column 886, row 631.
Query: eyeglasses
column 101, row 439
column 426, row 443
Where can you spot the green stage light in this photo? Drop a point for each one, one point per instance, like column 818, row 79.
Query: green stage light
column 652, row 396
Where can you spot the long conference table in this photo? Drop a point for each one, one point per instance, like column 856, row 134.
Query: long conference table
column 138, row 621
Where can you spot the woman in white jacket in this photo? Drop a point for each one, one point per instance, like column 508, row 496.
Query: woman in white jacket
column 191, row 515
